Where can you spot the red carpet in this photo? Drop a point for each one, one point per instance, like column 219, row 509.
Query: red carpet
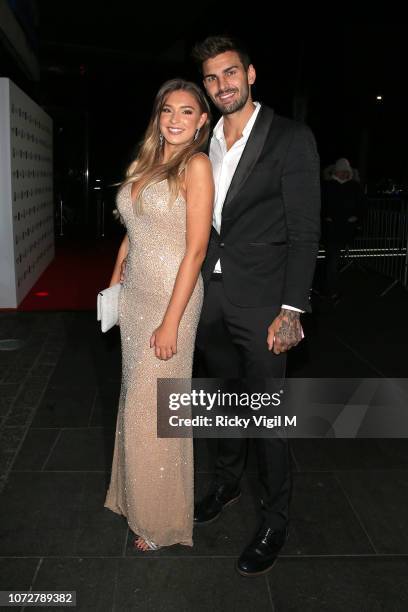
column 81, row 268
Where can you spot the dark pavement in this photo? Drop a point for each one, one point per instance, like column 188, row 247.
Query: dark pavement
column 348, row 545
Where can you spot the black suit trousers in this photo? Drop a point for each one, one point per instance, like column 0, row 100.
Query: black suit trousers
column 231, row 343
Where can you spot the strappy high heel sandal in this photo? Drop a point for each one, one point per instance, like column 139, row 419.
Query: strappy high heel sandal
column 151, row 545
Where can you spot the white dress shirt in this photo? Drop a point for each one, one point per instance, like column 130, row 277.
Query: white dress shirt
column 224, row 163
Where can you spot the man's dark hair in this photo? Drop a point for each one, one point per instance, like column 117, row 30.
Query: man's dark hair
column 214, row 45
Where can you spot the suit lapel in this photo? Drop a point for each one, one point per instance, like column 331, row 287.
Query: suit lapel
column 252, row 151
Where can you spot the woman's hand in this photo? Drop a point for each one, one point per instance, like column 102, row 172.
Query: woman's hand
column 164, row 341
column 119, row 270
column 119, row 273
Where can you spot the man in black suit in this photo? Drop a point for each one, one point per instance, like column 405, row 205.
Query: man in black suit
column 257, row 273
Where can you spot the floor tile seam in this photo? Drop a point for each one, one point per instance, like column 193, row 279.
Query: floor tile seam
column 371, row 556
column 357, row 470
column 357, row 515
column 36, row 572
column 200, row 473
column 21, row 385
column 91, row 413
column 268, row 588
column 124, row 547
column 115, row 587
column 33, row 579
column 23, row 382
column 73, row 427
column 57, row 437
column 358, row 355
column 61, row 471
column 295, row 461
column 78, row 510
column 12, row 365
column 29, row 421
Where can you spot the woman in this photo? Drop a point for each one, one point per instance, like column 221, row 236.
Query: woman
column 166, row 204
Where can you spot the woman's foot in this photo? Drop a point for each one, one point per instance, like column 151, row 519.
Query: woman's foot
column 145, row 545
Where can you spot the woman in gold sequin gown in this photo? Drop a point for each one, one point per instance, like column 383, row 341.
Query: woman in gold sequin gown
column 166, row 205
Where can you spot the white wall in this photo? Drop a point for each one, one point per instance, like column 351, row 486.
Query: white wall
column 26, row 193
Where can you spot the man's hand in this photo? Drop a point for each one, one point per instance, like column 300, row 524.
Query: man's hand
column 122, row 270
column 285, row 331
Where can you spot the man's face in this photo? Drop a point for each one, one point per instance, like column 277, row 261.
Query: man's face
column 227, row 82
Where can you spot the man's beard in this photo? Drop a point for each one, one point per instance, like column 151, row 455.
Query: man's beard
column 235, row 106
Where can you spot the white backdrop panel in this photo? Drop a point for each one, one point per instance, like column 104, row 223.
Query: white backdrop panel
column 26, row 199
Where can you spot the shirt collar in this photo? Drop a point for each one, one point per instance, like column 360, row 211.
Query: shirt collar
column 219, row 128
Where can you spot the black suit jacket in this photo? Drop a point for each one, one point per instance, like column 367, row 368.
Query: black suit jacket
column 270, row 226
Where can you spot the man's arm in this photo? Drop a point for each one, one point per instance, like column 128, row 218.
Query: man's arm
column 301, row 196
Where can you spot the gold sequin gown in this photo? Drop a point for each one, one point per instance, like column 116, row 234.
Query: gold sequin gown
column 152, row 478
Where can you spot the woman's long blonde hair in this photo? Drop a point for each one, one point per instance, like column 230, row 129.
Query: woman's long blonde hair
column 148, row 168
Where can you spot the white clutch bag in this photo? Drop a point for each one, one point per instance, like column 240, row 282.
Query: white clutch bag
column 107, row 307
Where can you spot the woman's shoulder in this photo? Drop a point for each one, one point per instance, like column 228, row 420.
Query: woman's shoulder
column 199, row 155
column 199, row 162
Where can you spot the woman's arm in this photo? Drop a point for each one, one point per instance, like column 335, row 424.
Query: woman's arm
column 199, row 187
column 117, row 270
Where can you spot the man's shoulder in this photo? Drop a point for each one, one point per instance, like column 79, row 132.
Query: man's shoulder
column 283, row 124
column 291, row 125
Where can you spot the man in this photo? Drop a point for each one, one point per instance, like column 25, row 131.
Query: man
column 257, row 273
column 343, row 206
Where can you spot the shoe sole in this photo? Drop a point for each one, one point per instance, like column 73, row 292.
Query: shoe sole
column 231, row 502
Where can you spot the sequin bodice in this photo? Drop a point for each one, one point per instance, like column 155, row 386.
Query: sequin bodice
column 157, row 236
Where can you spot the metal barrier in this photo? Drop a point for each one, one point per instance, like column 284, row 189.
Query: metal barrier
column 383, row 240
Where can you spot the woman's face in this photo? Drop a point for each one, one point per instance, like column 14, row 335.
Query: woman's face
column 180, row 117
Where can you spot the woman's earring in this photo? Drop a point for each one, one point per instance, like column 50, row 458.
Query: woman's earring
column 161, row 139
column 196, row 133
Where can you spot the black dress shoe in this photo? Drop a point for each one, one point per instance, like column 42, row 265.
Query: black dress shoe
column 210, row 508
column 261, row 554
